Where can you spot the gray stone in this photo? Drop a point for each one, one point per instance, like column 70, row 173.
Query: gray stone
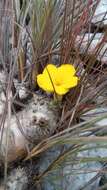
column 72, row 176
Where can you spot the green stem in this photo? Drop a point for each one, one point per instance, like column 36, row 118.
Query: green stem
column 57, row 98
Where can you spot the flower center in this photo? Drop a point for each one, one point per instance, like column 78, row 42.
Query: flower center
column 58, row 83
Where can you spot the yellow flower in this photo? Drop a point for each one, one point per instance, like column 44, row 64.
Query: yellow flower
column 57, row 79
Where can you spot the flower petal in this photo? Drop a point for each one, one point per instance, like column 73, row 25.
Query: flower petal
column 72, row 82
column 65, row 72
column 60, row 90
column 50, row 71
column 45, row 83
